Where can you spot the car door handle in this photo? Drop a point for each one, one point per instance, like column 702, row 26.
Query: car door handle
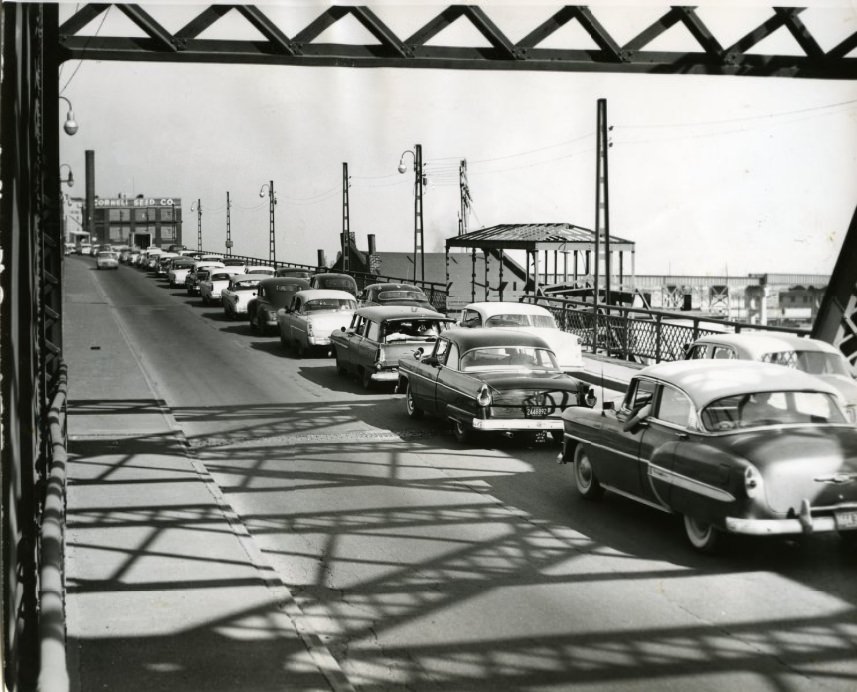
column 682, row 435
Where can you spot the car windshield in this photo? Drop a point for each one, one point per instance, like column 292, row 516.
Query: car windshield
column 813, row 362
column 412, row 330
column 763, row 409
column 387, row 296
column 520, row 320
column 220, row 277
column 245, row 284
column 508, row 358
column 320, row 304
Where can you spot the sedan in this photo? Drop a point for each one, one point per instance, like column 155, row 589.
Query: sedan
column 732, row 447
column 334, row 282
column 273, row 293
column 210, row 288
column 393, row 294
column 530, row 318
column 379, row 336
column 238, row 294
column 106, row 259
column 498, row 380
column 307, row 323
column 809, row 355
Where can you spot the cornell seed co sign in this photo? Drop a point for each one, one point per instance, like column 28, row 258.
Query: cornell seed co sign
column 137, row 202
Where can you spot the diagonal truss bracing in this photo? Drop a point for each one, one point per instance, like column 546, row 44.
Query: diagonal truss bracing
column 501, row 53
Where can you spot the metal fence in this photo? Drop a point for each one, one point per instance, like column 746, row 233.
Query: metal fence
column 437, row 293
column 637, row 334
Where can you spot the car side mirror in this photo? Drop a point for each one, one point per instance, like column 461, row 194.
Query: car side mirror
column 638, row 418
column 343, row 329
column 418, row 354
column 608, row 406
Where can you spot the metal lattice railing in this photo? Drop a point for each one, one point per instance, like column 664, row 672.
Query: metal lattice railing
column 635, row 334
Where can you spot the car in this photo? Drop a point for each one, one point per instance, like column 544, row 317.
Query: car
column 334, row 282
column 210, row 287
column 180, row 267
column 816, row 357
column 259, row 269
column 393, row 294
column 237, row 295
column 378, row 336
column 162, row 267
column 69, row 248
column 530, row 318
column 193, row 277
column 273, row 293
column 730, row 446
column 84, row 249
column 238, row 266
column 106, row 259
column 487, row 379
column 295, row 272
column 313, row 314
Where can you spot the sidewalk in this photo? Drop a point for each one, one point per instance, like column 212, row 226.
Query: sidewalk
column 164, row 591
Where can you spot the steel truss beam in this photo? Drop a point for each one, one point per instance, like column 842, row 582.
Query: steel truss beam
column 389, row 50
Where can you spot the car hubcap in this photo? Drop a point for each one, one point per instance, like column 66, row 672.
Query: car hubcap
column 584, row 472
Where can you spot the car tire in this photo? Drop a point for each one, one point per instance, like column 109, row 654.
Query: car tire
column 411, row 407
column 463, row 433
column 585, row 480
column 340, row 366
column 366, row 378
column 702, row 536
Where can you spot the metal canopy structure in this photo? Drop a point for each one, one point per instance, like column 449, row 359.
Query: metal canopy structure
column 560, row 238
column 532, row 52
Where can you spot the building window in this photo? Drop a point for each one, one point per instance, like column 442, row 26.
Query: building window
column 168, row 233
column 145, row 214
column 168, row 214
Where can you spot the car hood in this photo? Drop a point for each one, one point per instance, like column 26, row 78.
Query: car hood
column 817, row 463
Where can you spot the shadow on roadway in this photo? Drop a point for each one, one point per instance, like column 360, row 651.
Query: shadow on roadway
column 421, row 551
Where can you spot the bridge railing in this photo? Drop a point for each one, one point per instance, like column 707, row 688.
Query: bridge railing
column 638, row 334
column 437, row 293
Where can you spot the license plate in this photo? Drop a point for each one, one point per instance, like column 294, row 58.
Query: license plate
column 536, row 411
column 846, row 520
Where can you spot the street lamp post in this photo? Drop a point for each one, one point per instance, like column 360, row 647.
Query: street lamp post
column 69, row 180
column 272, row 203
column 419, row 183
column 70, row 126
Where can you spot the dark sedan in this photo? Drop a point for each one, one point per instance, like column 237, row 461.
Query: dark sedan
column 491, row 380
column 271, row 295
column 730, row 446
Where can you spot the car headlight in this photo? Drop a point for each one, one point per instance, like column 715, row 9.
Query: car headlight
column 309, row 328
column 753, row 482
column 484, row 396
column 589, row 397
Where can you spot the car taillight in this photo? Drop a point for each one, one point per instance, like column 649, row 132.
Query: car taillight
column 380, row 357
column 309, row 328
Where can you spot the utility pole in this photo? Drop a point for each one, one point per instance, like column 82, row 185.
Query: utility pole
column 346, row 221
column 198, row 205
column 464, row 193
column 272, row 203
column 602, row 200
column 418, row 212
column 228, row 226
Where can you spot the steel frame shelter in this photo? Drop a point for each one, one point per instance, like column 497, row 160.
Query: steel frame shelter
column 560, row 238
column 34, row 45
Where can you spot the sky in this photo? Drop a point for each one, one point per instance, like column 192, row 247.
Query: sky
column 708, row 175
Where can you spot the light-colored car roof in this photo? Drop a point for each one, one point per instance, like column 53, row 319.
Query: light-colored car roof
column 755, row 345
column 379, row 313
column 490, row 308
column 706, row 380
column 313, row 293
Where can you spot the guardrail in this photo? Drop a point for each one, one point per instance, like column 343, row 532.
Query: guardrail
column 53, row 669
column 637, row 334
column 437, row 293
